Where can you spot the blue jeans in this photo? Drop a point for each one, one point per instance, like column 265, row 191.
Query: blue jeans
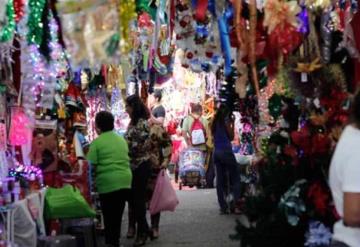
column 226, row 167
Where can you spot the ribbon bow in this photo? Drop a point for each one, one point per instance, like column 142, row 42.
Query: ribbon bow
column 308, row 67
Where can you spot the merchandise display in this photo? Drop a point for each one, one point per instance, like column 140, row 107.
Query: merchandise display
column 287, row 70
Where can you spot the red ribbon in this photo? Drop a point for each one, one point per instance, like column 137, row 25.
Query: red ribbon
column 201, row 8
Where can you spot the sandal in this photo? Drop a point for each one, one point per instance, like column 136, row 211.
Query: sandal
column 131, row 233
column 155, row 233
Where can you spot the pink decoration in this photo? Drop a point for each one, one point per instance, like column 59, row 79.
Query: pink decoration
column 20, row 127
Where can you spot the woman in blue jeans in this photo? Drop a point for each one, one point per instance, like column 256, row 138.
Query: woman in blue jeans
column 225, row 163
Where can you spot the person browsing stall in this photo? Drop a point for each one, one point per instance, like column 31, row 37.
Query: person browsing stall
column 108, row 153
column 158, row 111
column 345, row 182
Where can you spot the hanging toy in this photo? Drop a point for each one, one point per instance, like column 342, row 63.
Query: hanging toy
column 252, row 44
column 20, row 128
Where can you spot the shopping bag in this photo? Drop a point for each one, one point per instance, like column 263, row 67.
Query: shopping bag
column 66, row 202
column 164, row 197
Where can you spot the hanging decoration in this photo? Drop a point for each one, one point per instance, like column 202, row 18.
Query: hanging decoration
column 252, row 45
column 19, row 6
column 7, row 30
column 20, row 128
column 35, row 25
column 91, row 39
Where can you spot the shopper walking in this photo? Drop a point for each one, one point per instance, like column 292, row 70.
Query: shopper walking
column 138, row 138
column 108, row 154
column 345, row 182
column 195, row 122
column 225, row 163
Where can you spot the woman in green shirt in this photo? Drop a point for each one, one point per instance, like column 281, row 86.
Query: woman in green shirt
column 108, row 153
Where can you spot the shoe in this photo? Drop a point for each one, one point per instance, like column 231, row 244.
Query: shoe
column 155, row 233
column 141, row 241
column 224, row 211
column 131, row 233
column 237, row 211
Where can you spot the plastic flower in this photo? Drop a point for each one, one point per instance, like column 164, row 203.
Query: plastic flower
column 292, row 204
column 318, row 235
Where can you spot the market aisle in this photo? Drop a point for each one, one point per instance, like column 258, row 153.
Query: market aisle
column 196, row 223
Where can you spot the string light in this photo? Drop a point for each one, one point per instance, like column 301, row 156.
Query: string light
column 28, row 172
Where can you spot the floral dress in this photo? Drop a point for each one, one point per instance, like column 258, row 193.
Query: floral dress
column 161, row 147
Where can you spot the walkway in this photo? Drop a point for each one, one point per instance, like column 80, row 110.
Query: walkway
column 196, row 223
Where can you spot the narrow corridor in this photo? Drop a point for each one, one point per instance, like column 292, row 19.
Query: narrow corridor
column 196, row 223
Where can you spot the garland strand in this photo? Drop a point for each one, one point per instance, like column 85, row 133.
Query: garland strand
column 6, row 34
column 35, row 25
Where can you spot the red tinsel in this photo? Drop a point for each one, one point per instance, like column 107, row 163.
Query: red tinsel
column 19, row 9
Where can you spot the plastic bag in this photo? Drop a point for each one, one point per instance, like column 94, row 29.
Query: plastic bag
column 164, row 197
column 66, row 202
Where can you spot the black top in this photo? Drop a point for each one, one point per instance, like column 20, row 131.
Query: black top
column 158, row 111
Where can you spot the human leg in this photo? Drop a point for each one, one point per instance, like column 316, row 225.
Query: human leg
column 132, row 222
column 155, row 221
column 139, row 186
column 231, row 163
column 220, row 180
column 112, row 205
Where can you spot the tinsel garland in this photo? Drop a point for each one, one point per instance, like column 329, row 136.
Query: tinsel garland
column 6, row 34
column 35, row 25
column 19, row 9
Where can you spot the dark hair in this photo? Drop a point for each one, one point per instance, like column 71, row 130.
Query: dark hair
column 104, row 121
column 158, row 94
column 139, row 110
column 355, row 109
column 196, row 108
column 219, row 119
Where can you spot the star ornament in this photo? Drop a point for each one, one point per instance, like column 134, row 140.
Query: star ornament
column 308, row 67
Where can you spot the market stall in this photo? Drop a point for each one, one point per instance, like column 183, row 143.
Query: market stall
column 286, row 69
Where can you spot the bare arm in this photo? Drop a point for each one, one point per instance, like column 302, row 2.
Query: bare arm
column 159, row 120
column 230, row 128
column 352, row 209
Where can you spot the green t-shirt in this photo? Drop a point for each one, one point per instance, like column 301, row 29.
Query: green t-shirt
column 109, row 154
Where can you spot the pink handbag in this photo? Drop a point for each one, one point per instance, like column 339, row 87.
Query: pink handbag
column 164, row 197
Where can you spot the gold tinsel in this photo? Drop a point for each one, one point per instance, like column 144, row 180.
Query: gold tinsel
column 127, row 14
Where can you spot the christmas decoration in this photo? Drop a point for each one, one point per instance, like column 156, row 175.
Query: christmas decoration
column 20, row 129
column 7, row 31
column 35, row 25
